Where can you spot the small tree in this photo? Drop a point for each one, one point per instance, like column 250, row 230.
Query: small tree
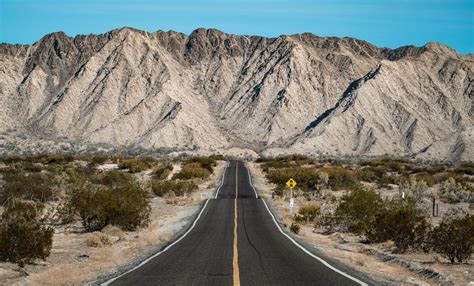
column 453, row 238
column 22, row 237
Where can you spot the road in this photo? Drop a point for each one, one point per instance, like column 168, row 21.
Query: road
column 235, row 241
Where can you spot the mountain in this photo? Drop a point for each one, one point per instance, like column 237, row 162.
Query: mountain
column 212, row 91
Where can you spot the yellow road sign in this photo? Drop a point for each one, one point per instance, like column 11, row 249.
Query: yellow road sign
column 291, row 183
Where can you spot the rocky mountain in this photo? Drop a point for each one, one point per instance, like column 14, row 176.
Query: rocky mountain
column 213, row 91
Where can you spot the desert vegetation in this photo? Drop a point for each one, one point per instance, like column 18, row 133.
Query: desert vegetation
column 42, row 193
column 381, row 200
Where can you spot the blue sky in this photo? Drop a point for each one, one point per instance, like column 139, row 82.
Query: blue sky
column 385, row 23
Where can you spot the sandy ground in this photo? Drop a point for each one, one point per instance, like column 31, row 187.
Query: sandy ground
column 376, row 259
column 79, row 258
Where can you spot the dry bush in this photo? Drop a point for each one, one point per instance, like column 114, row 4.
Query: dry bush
column 22, row 237
column 177, row 187
column 191, row 171
column 98, row 240
column 135, row 165
column 162, row 171
column 307, row 213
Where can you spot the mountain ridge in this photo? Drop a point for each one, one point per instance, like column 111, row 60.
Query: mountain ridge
column 211, row 90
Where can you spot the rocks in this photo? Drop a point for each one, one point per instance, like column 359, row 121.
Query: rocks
column 211, row 91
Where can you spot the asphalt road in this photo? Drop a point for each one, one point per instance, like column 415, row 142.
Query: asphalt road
column 219, row 252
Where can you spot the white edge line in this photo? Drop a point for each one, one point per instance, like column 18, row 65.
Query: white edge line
column 301, row 247
column 160, row 252
column 311, row 254
column 222, row 180
column 250, row 180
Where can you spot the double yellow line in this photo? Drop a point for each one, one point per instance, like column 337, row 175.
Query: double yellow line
column 235, row 262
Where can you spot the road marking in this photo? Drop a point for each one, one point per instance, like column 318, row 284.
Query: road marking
column 222, row 180
column 235, row 262
column 301, row 247
column 250, row 180
column 162, row 251
column 311, row 254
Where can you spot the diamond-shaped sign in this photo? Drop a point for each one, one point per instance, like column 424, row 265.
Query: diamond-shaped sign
column 291, row 183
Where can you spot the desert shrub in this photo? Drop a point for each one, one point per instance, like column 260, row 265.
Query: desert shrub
column 389, row 164
column 341, row 178
column 465, row 168
column 162, row 171
column 391, row 179
column 22, row 237
column 135, row 165
column 178, row 187
column 453, row 238
column 113, row 179
column 191, row 171
column 416, row 189
column 307, row 178
column 454, row 192
column 357, row 211
column 284, row 162
column 307, row 213
column 402, row 222
column 126, row 206
column 207, row 163
column 367, row 175
column 98, row 160
column 98, row 240
column 295, row 228
column 33, row 186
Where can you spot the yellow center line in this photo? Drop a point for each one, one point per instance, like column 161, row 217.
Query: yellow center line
column 235, row 262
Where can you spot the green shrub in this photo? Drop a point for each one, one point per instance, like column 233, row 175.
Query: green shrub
column 307, row 213
column 402, row 222
column 178, row 187
column 33, row 186
column 22, row 237
column 295, row 228
column 126, row 206
column 453, row 238
column 191, row 171
column 357, row 211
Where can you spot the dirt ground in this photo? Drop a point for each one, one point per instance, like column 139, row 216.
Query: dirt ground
column 79, row 258
column 376, row 260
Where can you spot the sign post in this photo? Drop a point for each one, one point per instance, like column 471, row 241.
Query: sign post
column 291, row 184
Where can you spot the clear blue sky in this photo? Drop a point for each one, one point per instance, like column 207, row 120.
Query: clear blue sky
column 387, row 23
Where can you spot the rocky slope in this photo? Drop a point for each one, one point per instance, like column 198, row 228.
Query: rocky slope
column 211, row 91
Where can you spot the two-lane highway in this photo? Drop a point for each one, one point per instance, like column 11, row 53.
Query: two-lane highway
column 235, row 241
